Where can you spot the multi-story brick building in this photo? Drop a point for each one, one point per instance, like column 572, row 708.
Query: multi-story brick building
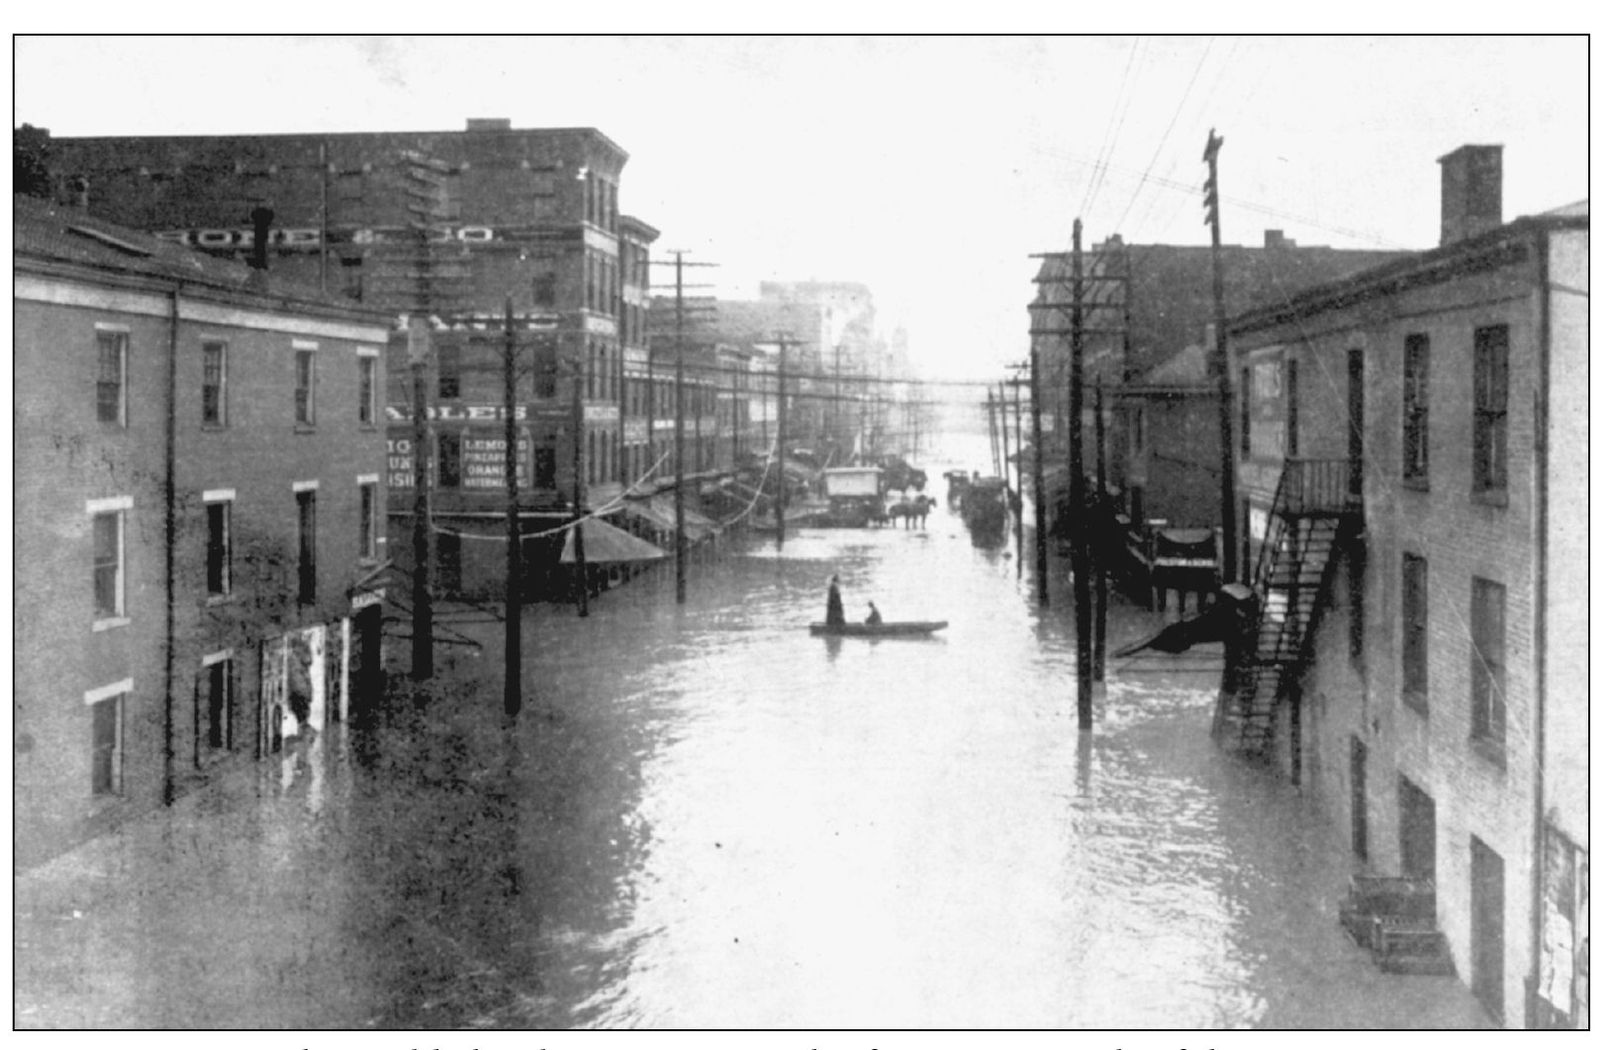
column 450, row 225
column 1414, row 488
column 199, row 518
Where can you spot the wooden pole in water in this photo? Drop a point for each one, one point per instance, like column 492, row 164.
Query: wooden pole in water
column 512, row 563
column 1080, row 562
column 1037, row 441
column 1105, row 522
column 1018, row 481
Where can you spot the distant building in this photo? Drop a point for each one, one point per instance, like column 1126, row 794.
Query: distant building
column 199, row 519
column 1413, row 473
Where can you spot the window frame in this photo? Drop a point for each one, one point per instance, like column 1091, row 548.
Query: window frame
column 368, row 504
column 1413, row 615
column 368, row 373
column 220, row 577
column 220, row 416
column 1491, row 401
column 117, row 336
column 1489, row 699
column 305, row 385
column 1415, row 410
column 1291, row 381
column 218, row 721
column 116, row 509
column 450, row 380
column 111, row 699
column 307, row 496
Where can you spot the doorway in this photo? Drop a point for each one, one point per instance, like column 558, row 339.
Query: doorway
column 1489, row 929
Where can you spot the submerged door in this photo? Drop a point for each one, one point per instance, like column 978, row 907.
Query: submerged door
column 1489, row 929
column 1418, row 832
column 1357, row 796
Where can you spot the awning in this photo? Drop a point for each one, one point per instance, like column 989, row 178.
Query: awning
column 604, row 543
column 661, row 512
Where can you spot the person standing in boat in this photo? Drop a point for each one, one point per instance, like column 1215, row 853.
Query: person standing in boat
column 873, row 615
column 836, row 609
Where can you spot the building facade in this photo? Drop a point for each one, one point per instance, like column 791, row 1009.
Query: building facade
column 200, row 519
column 446, row 227
column 1437, row 709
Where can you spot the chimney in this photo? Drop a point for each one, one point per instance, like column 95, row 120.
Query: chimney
column 1274, row 239
column 487, row 124
column 1471, row 195
column 261, row 217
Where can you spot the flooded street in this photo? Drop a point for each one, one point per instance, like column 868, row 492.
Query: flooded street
column 707, row 818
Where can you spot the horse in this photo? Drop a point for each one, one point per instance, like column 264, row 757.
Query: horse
column 915, row 510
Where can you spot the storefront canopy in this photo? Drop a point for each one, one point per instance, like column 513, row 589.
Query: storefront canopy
column 661, row 511
column 605, row 544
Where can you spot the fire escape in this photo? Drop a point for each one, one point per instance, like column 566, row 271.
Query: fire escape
column 1317, row 507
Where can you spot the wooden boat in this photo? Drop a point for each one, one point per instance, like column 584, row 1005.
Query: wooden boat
column 890, row 628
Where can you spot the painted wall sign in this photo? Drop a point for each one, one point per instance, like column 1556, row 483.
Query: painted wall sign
column 455, row 413
column 482, row 462
column 399, row 463
column 367, row 598
column 308, row 237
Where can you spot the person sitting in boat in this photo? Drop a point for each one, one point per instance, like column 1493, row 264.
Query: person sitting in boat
column 873, row 615
column 836, row 610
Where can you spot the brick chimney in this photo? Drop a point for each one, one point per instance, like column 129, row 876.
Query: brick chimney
column 1471, row 194
column 1274, row 239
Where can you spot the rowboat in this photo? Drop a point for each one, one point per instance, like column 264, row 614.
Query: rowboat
column 891, row 628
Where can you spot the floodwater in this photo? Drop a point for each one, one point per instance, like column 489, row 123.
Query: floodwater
column 706, row 818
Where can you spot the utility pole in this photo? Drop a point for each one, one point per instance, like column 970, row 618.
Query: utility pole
column 1018, row 481
column 1222, row 367
column 1002, row 414
column 579, row 492
column 1078, row 553
column 778, row 505
column 512, row 567
column 422, row 644
column 990, row 425
column 1105, row 522
column 677, row 440
column 1039, row 459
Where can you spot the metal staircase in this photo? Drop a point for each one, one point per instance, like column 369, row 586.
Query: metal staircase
column 1317, row 505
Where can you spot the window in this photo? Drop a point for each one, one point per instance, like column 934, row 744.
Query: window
column 1488, row 660
column 448, row 371
column 1490, row 382
column 1292, row 407
column 1245, row 416
column 543, row 284
column 111, row 377
column 366, row 518
column 214, row 405
column 106, row 540
column 218, row 730
column 1413, row 631
column 304, row 393
column 307, row 544
column 366, row 388
column 1415, row 395
column 546, row 373
column 106, row 737
column 352, row 278
column 448, row 448
column 218, row 546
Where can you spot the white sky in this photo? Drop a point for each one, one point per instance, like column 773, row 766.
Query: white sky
column 928, row 168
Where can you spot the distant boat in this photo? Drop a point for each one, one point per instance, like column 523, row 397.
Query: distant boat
column 879, row 630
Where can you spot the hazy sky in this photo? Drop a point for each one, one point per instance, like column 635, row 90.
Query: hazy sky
column 928, row 168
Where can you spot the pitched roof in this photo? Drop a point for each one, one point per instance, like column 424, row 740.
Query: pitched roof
column 53, row 233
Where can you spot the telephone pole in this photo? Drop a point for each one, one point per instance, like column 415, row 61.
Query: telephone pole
column 1105, row 522
column 579, row 492
column 1079, row 555
column 1222, row 368
column 1039, row 461
column 778, row 507
column 512, row 521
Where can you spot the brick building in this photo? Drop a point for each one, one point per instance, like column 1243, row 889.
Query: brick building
column 1414, row 486
column 448, row 225
column 199, row 518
